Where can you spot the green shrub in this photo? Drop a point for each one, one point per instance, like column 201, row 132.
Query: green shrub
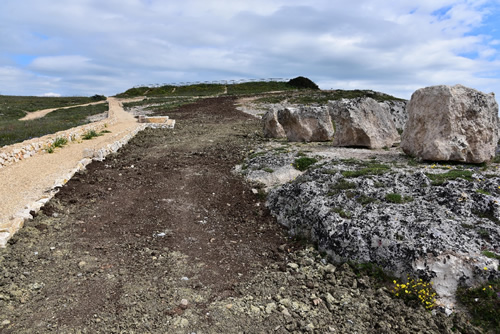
column 302, row 82
column 304, row 163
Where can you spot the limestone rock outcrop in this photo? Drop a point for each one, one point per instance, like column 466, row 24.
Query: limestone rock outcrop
column 397, row 109
column 435, row 231
column 451, row 123
column 300, row 123
column 272, row 128
column 362, row 122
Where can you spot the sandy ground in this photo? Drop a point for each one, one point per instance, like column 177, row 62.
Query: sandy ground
column 42, row 113
column 29, row 180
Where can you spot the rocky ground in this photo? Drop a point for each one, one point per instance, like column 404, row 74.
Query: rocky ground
column 164, row 237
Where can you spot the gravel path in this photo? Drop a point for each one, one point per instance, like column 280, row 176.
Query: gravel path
column 32, row 179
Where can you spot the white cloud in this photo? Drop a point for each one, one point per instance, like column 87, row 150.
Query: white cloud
column 91, row 46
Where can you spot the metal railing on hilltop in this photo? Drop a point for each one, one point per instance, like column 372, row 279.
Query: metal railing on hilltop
column 214, row 82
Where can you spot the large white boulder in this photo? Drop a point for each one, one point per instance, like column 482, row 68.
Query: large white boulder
column 451, row 123
column 301, row 123
column 362, row 122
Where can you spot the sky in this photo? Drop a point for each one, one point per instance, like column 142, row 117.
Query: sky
column 87, row 47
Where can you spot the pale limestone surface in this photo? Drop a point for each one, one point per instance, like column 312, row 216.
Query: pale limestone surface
column 362, row 122
column 272, row 128
column 451, row 123
column 305, row 124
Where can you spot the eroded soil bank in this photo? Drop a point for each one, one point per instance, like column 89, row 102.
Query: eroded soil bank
column 162, row 237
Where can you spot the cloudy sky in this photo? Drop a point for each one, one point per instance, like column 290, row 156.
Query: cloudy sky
column 86, row 47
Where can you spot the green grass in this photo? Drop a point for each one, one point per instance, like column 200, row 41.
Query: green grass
column 206, row 89
column 12, row 130
column 170, row 90
column 365, row 200
column 342, row 213
column 491, row 255
column 397, row 198
column 483, row 304
column 369, row 169
column 60, row 142
column 91, row 134
column 439, row 179
column 258, row 87
column 482, row 191
column 304, row 163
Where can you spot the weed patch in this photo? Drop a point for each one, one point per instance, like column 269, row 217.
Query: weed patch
column 90, row 134
column 397, row 198
column 439, row 179
column 483, row 303
column 303, row 163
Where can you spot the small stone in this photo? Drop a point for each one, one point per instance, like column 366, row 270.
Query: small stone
column 317, row 301
column 255, row 191
column 270, row 308
column 285, row 312
column 309, row 327
column 82, row 264
column 5, row 322
column 254, row 309
column 184, row 304
column 293, row 265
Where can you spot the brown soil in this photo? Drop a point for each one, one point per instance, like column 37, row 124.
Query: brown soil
column 116, row 224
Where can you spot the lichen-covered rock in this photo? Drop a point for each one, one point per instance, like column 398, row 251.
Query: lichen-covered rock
column 272, row 128
column 399, row 220
column 362, row 122
column 451, row 123
column 305, row 123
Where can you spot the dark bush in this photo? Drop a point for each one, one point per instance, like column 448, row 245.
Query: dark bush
column 98, row 97
column 301, row 82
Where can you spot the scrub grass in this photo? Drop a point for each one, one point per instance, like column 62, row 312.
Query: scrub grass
column 12, row 130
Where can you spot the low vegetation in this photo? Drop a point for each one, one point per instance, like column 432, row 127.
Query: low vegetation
column 12, row 108
column 483, row 303
column 398, row 198
column 415, row 291
column 369, row 169
column 303, row 163
column 441, row 178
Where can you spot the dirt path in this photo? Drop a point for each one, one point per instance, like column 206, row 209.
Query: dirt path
column 29, row 180
column 42, row 113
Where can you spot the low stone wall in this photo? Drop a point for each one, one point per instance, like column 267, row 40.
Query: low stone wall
column 7, row 229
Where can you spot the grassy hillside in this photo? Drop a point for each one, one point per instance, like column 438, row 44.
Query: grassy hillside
column 12, row 130
column 208, row 89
